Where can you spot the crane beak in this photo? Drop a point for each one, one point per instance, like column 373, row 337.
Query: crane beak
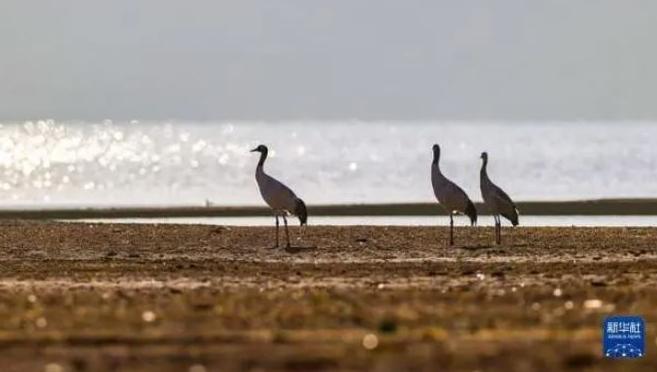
column 254, row 150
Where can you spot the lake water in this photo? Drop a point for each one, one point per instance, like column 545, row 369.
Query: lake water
column 47, row 163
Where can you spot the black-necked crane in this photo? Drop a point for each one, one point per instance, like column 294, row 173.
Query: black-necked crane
column 279, row 197
column 451, row 197
column 496, row 200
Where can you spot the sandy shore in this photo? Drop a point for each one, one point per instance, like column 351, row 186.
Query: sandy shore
column 171, row 297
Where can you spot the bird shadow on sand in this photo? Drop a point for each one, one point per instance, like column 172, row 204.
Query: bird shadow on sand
column 477, row 247
column 293, row 248
column 300, row 249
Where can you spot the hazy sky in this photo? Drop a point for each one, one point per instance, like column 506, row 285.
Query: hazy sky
column 328, row 59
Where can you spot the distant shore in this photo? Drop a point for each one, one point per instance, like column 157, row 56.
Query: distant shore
column 644, row 207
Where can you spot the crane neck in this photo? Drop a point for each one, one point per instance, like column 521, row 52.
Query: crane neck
column 436, row 159
column 263, row 157
column 484, row 164
column 435, row 169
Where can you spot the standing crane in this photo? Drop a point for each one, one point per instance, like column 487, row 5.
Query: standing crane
column 496, row 200
column 451, row 197
column 279, row 197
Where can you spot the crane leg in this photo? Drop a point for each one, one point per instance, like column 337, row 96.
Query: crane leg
column 287, row 234
column 276, row 246
column 498, row 230
column 451, row 229
column 495, row 218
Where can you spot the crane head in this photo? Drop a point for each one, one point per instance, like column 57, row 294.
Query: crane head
column 436, row 153
column 260, row 148
column 484, row 156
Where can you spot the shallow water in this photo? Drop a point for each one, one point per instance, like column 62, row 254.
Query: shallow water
column 160, row 163
column 402, row 221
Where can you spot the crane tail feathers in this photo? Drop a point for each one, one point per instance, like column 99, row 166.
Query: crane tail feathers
column 471, row 212
column 301, row 212
column 513, row 217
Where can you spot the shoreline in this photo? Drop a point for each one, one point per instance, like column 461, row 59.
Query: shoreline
column 594, row 207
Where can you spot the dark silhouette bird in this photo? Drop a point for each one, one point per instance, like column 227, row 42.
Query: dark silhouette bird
column 279, row 197
column 496, row 200
column 449, row 195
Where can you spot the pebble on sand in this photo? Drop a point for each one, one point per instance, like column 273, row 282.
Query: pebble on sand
column 197, row 368
column 41, row 322
column 53, row 367
column 148, row 316
column 370, row 341
column 592, row 304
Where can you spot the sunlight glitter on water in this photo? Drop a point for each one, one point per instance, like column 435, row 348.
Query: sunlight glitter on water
column 175, row 163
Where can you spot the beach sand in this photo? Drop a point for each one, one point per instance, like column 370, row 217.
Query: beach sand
column 93, row 297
